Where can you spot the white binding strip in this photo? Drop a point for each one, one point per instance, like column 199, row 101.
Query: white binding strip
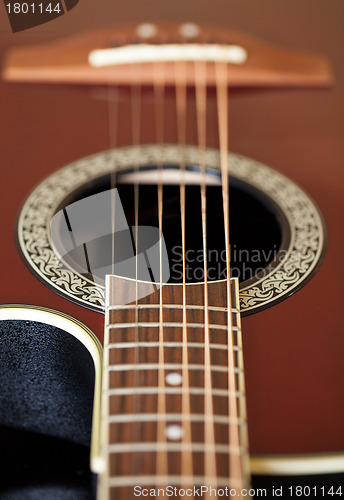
column 146, row 53
column 55, row 319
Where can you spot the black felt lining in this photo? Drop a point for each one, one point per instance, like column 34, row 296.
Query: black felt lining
column 46, row 397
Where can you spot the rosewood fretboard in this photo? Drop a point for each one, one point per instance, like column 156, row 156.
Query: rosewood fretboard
column 170, row 416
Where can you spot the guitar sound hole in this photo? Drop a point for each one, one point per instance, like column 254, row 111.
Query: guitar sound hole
column 255, row 231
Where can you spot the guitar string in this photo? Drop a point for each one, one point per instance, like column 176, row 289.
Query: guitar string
column 112, row 101
column 113, row 111
column 135, row 93
column 210, row 468
column 235, row 470
column 159, row 94
column 181, row 90
column 113, row 117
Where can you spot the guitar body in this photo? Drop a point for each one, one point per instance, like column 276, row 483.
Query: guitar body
column 293, row 351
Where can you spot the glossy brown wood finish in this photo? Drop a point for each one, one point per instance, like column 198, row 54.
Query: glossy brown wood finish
column 293, row 352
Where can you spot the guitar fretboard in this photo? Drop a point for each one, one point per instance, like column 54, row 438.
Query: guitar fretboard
column 169, row 411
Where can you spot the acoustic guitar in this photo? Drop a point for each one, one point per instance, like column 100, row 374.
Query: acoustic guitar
column 214, row 371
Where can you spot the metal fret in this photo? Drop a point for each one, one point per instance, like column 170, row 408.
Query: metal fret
column 167, row 366
column 173, row 447
column 122, row 481
column 125, row 391
column 170, row 417
column 148, row 324
column 168, row 306
column 131, row 391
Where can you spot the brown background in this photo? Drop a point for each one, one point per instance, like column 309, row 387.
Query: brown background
column 293, row 352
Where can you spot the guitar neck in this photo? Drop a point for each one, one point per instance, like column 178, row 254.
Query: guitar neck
column 173, row 404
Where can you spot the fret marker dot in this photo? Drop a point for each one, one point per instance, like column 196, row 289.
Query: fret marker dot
column 174, row 432
column 174, row 378
column 189, row 30
column 146, row 30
